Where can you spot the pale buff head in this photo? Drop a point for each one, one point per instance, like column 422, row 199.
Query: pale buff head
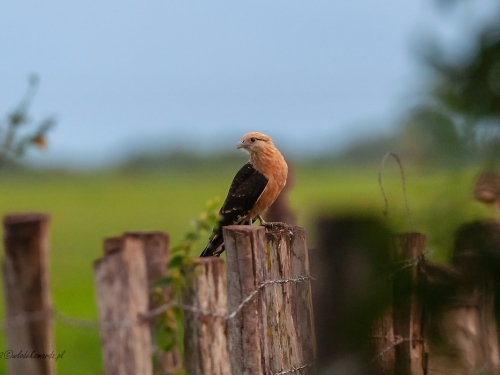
column 255, row 142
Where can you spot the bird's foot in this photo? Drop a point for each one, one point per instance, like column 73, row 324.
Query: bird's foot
column 262, row 221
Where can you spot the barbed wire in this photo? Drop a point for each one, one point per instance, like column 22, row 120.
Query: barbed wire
column 29, row 317
column 294, row 369
column 407, row 263
column 144, row 318
column 403, row 183
column 161, row 309
column 52, row 313
column 395, row 341
column 24, row 318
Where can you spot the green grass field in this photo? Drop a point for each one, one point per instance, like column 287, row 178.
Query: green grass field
column 86, row 208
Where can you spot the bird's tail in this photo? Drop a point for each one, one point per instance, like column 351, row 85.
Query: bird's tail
column 215, row 246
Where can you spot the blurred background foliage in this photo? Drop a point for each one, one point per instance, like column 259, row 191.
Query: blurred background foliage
column 459, row 121
column 444, row 141
column 18, row 131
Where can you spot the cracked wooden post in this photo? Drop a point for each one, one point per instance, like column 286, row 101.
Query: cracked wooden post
column 26, row 292
column 407, row 308
column 398, row 333
column 244, row 245
column 122, row 295
column 205, row 340
column 288, row 326
column 274, row 331
column 156, row 247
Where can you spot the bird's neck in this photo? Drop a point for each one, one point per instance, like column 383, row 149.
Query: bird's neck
column 264, row 158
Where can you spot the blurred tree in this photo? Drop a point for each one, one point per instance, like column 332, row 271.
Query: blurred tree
column 14, row 138
column 471, row 88
column 461, row 118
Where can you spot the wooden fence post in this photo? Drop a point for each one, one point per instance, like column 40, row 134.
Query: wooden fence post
column 407, row 308
column 205, row 340
column 274, row 331
column 28, row 304
column 353, row 295
column 462, row 303
column 122, row 295
column 288, row 326
column 156, row 247
column 244, row 245
column 475, row 255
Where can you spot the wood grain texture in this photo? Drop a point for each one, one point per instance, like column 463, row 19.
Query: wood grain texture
column 156, row 246
column 122, row 295
column 205, row 337
column 244, row 244
column 408, row 314
column 288, row 328
column 26, row 291
column 274, row 332
column 382, row 341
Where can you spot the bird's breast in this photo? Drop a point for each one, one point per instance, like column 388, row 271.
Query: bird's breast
column 268, row 196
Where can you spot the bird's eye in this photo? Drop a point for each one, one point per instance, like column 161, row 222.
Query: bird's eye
column 252, row 140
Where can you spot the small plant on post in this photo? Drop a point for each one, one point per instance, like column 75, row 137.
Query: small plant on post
column 181, row 272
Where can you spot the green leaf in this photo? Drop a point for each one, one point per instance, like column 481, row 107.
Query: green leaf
column 192, row 236
column 165, row 338
column 162, row 282
column 176, row 261
column 179, row 320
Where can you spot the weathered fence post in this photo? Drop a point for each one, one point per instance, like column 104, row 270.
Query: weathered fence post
column 398, row 332
column 269, row 287
column 289, row 322
column 122, row 295
column 205, row 340
column 244, row 245
column 461, row 303
column 475, row 254
column 157, row 254
column 28, row 304
column 407, row 308
column 353, row 295
column 383, row 344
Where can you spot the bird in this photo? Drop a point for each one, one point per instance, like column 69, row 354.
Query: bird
column 254, row 188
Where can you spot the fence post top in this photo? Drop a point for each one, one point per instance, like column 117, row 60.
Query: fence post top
column 275, row 229
column 142, row 234
column 208, row 260
column 25, row 217
column 243, row 228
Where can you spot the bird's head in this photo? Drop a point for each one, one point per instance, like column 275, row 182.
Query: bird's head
column 253, row 142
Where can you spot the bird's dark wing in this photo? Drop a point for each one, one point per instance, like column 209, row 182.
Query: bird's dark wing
column 245, row 190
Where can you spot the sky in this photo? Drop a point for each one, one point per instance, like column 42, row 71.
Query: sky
column 122, row 77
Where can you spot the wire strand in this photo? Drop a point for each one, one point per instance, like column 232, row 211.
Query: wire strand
column 403, row 183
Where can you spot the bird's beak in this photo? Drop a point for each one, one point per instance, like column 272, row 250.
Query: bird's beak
column 240, row 145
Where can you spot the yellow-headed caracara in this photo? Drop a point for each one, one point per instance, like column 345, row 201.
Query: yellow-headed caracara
column 254, row 188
